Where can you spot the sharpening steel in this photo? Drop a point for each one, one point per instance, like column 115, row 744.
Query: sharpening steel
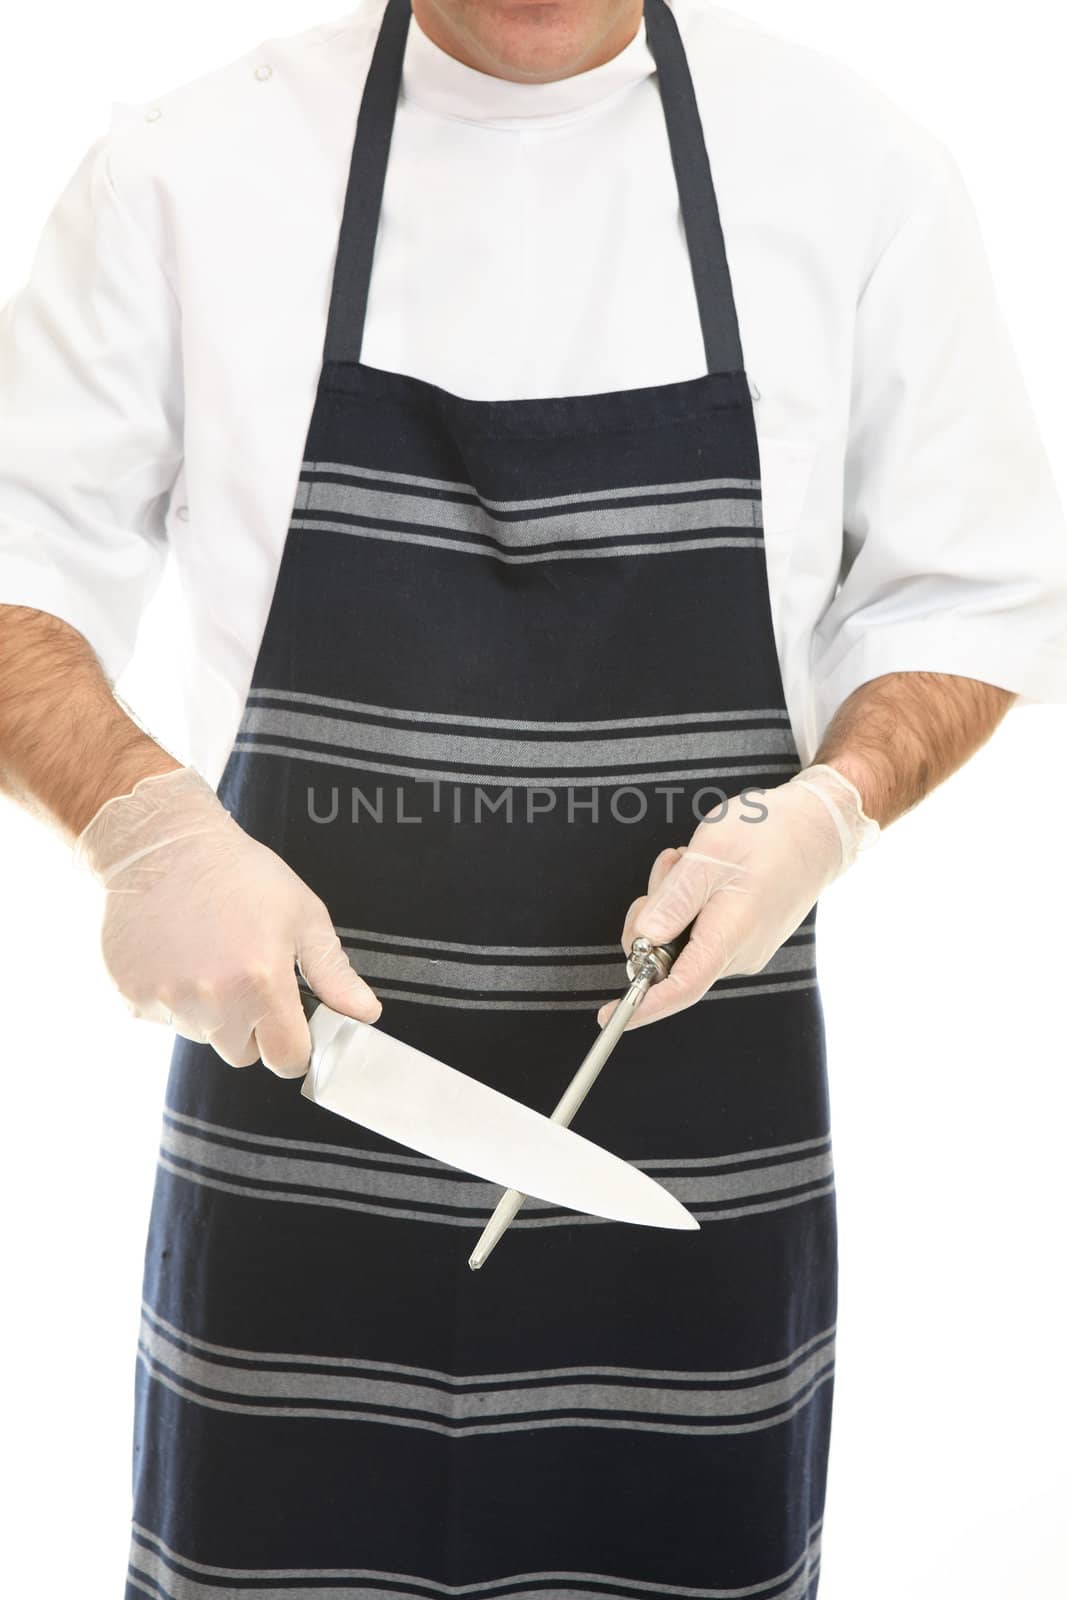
column 647, row 964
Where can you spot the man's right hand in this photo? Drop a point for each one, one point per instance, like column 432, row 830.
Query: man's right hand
column 203, row 925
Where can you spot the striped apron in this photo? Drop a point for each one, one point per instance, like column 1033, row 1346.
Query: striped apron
column 515, row 648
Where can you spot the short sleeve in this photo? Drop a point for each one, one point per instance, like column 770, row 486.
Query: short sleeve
column 90, row 418
column 955, row 541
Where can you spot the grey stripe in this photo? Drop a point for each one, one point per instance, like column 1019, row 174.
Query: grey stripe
column 745, row 990
column 325, row 1414
column 461, row 719
column 376, row 966
column 607, row 978
column 444, row 485
column 554, row 525
column 461, row 1381
column 566, row 780
column 472, row 750
column 518, row 558
column 238, row 1136
column 673, row 1397
column 327, row 1578
column 365, row 936
column 399, row 1213
column 164, row 1585
column 442, row 1185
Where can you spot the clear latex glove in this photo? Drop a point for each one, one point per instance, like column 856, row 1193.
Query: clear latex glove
column 203, row 925
column 746, row 884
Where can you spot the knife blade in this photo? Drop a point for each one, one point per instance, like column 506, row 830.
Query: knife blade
column 365, row 1075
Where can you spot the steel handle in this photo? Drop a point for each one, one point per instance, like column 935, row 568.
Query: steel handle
column 661, row 956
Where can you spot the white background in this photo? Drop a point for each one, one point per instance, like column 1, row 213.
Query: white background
column 941, row 955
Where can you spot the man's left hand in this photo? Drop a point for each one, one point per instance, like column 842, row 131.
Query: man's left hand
column 747, row 879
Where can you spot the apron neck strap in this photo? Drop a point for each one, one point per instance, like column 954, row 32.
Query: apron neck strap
column 689, row 156
column 696, row 192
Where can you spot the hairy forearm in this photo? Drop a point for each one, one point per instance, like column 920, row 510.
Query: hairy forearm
column 66, row 743
column 901, row 735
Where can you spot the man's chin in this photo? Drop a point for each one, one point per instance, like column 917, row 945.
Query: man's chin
column 527, row 41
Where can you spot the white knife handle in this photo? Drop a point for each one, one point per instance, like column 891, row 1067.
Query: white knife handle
column 308, row 998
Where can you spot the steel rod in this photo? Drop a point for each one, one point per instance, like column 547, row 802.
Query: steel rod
column 570, row 1100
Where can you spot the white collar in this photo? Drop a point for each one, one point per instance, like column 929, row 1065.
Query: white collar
column 440, row 83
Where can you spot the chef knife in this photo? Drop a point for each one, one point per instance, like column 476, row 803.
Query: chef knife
column 647, row 964
column 362, row 1073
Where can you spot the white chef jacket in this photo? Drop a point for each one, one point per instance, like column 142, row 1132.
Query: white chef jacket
column 159, row 368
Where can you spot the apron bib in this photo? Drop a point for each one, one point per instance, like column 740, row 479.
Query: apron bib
column 515, row 648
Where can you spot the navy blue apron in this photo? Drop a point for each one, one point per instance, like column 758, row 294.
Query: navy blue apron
column 515, row 648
